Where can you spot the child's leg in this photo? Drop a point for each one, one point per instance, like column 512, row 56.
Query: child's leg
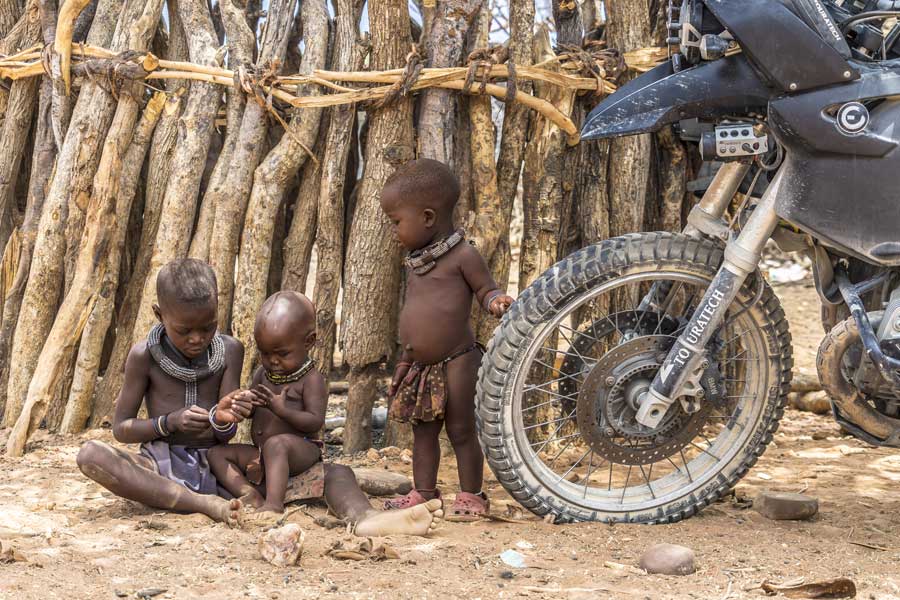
column 132, row 476
column 347, row 501
column 229, row 465
column 285, row 455
column 460, row 419
column 426, row 457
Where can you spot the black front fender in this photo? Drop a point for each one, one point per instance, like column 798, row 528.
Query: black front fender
column 661, row 97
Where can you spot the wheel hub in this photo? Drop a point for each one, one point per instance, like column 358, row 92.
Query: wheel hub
column 610, row 399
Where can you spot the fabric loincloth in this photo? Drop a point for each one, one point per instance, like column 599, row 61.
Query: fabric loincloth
column 422, row 395
column 185, row 466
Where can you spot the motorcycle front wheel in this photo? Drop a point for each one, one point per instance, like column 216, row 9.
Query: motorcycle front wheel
column 562, row 378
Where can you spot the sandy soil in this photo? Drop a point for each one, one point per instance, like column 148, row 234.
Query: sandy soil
column 80, row 542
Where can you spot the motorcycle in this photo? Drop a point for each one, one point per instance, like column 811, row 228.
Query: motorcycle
column 639, row 379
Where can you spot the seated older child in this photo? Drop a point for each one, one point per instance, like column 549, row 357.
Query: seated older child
column 188, row 375
column 290, row 398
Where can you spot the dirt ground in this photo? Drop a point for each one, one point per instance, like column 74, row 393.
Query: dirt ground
column 78, row 541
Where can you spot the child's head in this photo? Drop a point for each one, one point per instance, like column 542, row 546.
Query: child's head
column 285, row 332
column 187, row 293
column 419, row 199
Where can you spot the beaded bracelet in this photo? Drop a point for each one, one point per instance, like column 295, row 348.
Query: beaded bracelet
column 216, row 426
column 159, row 426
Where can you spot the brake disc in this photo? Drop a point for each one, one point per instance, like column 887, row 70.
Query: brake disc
column 608, row 402
column 577, row 361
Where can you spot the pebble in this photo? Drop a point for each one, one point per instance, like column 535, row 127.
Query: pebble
column 406, row 456
column 785, row 506
column 668, row 559
column 814, row 402
column 373, row 455
column 390, row 452
column 282, row 546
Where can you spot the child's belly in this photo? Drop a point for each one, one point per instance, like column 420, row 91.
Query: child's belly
column 266, row 424
column 434, row 323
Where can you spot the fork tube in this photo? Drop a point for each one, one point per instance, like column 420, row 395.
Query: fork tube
column 709, row 210
column 741, row 259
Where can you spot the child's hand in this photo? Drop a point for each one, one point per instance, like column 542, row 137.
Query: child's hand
column 269, row 399
column 193, row 419
column 500, row 305
column 235, row 407
column 399, row 373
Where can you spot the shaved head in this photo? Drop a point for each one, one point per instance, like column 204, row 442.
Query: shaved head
column 186, row 282
column 428, row 183
column 287, row 310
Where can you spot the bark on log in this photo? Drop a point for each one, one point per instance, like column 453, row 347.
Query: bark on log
column 298, row 244
column 97, row 254
column 44, row 153
column 444, row 48
column 542, row 199
column 629, row 167
column 241, row 42
column 75, row 168
column 373, row 258
column 87, row 365
column 230, row 210
column 16, row 125
column 270, row 182
column 330, row 230
column 194, row 131
column 516, row 123
column 158, row 169
column 9, row 16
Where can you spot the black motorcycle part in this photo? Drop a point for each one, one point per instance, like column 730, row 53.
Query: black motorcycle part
column 889, row 367
column 661, row 97
column 815, row 14
column 837, row 183
column 783, row 46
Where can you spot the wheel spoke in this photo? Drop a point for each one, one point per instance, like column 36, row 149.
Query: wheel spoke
column 647, row 479
column 587, row 479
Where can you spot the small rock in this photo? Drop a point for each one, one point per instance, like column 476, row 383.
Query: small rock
column 149, row 593
column 507, row 574
column 406, row 456
column 815, row 402
column 820, row 435
column 668, row 559
column 373, row 455
column 282, row 547
column 513, row 559
column 782, row 506
column 391, row 452
column 377, row 482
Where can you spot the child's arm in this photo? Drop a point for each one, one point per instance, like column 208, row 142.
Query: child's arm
column 482, row 283
column 127, row 428
column 310, row 417
column 234, row 403
column 400, row 371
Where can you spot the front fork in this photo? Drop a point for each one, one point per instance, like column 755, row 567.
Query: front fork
column 742, row 256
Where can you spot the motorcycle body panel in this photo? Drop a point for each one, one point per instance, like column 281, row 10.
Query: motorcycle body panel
column 662, row 97
column 782, row 46
column 840, row 186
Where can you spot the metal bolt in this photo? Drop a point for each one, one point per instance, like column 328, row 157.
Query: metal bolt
column 609, row 431
column 897, row 324
column 701, row 393
column 847, row 74
column 610, row 380
column 704, row 364
column 793, row 87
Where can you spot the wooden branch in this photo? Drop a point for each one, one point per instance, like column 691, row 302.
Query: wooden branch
column 63, row 43
column 28, row 64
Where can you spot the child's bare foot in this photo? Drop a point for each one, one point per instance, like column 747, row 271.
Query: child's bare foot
column 421, row 519
column 224, row 511
column 264, row 516
column 253, row 499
